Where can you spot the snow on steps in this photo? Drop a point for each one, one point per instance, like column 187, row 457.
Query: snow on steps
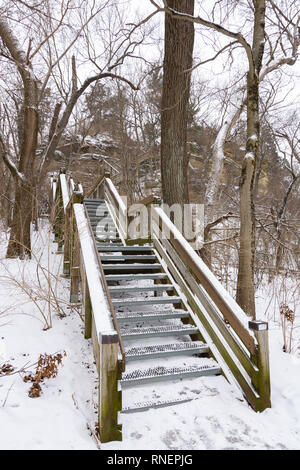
column 150, row 332
column 161, row 350
column 141, row 376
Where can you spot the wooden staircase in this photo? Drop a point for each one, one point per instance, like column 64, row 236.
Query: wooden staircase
column 154, row 324
column 154, row 311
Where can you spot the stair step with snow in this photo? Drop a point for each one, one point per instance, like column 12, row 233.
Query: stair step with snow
column 128, row 249
column 157, row 331
column 102, row 229
column 88, row 200
column 138, row 258
column 132, row 267
column 99, row 212
column 135, row 277
column 155, row 374
column 147, row 301
column 108, row 238
column 166, row 350
column 102, row 222
column 147, row 405
column 124, row 317
column 129, row 289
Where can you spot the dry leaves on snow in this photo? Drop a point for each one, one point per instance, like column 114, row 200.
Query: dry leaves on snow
column 47, row 368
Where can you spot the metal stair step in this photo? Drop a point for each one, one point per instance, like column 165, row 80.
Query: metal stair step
column 156, row 374
column 135, row 277
column 100, row 229
column 106, row 234
column 107, row 238
column 154, row 287
column 132, row 267
column 98, row 211
column 103, row 225
column 149, row 301
column 99, row 219
column 127, row 257
column 147, row 405
column 100, row 215
column 89, row 200
column 128, row 249
column 163, row 350
column 148, row 316
column 156, row 331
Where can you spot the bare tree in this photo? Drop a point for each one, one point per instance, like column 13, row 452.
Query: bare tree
column 28, row 171
column 254, row 53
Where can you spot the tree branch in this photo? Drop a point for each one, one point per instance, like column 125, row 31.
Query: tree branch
column 9, row 163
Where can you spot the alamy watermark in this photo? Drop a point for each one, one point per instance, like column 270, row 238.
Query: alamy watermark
column 139, row 221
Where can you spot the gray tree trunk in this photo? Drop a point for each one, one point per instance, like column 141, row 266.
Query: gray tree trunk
column 178, row 58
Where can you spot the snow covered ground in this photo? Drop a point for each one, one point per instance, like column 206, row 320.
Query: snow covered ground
column 62, row 417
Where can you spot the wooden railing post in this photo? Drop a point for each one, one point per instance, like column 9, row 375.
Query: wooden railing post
column 101, row 187
column 109, row 397
column 60, row 216
column 67, row 240
column 53, row 205
column 261, row 359
column 86, row 306
column 77, row 198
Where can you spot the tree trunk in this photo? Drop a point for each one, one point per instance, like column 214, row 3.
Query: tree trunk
column 245, row 286
column 179, row 43
column 19, row 240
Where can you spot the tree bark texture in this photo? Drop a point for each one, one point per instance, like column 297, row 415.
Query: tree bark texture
column 245, row 285
column 178, row 59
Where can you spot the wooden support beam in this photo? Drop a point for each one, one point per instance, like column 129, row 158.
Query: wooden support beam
column 75, row 280
column 261, row 359
column 109, row 397
column 87, row 308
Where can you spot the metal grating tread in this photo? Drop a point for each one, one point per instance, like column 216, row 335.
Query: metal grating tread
column 149, row 300
column 135, row 277
column 132, row 267
column 127, row 257
column 156, row 349
column 129, row 249
column 154, row 287
column 130, row 333
column 105, row 238
column 100, row 222
column 163, row 373
column 146, row 405
column 146, row 316
column 89, row 199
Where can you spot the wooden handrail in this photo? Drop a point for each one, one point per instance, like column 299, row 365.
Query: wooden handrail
column 244, row 349
column 107, row 293
column 227, row 306
column 65, row 192
column 118, row 207
column 99, row 302
column 98, row 183
column 102, row 329
column 110, row 187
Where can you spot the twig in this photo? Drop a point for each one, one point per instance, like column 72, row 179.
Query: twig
column 3, row 405
column 89, row 427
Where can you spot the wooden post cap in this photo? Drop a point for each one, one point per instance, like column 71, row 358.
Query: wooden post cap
column 108, row 337
column 258, row 325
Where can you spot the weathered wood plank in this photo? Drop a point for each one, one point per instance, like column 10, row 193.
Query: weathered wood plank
column 109, row 397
